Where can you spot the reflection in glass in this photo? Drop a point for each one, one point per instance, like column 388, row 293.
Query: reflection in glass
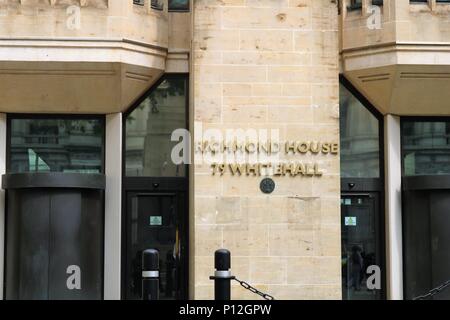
column 149, row 129
column 360, row 144
column 359, row 246
column 56, row 145
column 426, row 147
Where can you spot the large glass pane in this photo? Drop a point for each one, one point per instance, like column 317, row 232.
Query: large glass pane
column 360, row 138
column 56, row 145
column 149, row 129
column 426, row 147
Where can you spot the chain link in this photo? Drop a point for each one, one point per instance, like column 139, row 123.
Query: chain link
column 252, row 289
column 434, row 291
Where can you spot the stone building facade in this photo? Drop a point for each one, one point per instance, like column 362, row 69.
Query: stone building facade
column 269, row 65
column 310, row 134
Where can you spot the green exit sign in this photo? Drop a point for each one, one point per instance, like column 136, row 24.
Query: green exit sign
column 350, row 221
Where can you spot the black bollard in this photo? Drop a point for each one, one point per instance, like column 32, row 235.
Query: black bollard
column 150, row 275
column 222, row 276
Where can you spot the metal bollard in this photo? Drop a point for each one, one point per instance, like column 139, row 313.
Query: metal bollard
column 150, row 275
column 222, row 276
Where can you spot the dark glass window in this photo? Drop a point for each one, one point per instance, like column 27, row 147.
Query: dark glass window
column 149, row 129
column 157, row 4
column 360, row 138
column 426, row 147
column 355, row 5
column 178, row 5
column 56, row 145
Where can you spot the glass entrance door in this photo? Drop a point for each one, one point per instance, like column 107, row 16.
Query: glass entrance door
column 360, row 245
column 156, row 221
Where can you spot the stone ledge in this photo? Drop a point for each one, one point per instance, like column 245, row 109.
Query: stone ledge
column 83, row 50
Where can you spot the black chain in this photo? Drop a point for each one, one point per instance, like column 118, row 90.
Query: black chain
column 252, row 289
column 434, row 291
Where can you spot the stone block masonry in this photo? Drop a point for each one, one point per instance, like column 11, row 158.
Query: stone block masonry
column 273, row 65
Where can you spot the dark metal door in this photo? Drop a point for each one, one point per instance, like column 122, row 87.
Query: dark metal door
column 54, row 246
column 426, row 241
column 440, row 240
column 157, row 221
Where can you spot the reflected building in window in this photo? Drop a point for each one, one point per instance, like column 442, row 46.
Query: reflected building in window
column 361, row 187
column 360, row 138
column 426, row 147
column 149, row 129
column 56, row 145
